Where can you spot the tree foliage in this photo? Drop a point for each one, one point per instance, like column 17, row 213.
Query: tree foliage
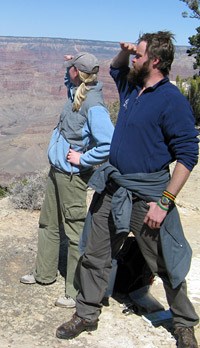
column 194, row 51
column 194, row 97
column 195, row 39
column 194, row 7
column 191, row 89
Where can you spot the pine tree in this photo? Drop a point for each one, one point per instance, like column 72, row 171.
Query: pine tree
column 195, row 39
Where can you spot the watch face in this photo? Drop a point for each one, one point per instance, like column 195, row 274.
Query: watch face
column 165, row 200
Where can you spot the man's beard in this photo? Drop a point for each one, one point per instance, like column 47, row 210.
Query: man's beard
column 138, row 77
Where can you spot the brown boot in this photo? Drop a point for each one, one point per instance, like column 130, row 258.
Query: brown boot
column 74, row 327
column 185, row 337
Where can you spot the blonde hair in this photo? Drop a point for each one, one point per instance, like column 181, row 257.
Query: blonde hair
column 81, row 91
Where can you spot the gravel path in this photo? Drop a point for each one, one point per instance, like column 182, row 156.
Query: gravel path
column 28, row 315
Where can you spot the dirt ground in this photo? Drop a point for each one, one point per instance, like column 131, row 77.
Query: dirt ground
column 29, row 317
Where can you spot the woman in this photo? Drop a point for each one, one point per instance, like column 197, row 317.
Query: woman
column 80, row 141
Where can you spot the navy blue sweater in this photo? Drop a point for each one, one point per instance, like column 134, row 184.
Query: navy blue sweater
column 153, row 129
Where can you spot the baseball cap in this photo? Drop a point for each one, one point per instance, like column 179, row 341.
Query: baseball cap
column 85, row 62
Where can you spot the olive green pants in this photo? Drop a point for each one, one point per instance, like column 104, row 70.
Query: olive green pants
column 65, row 202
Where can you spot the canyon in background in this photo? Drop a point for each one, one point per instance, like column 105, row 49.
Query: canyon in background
column 32, row 94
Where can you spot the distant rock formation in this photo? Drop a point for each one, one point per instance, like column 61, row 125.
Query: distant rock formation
column 32, row 94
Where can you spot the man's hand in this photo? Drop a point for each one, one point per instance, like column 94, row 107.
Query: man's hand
column 128, row 47
column 155, row 215
column 122, row 58
column 73, row 157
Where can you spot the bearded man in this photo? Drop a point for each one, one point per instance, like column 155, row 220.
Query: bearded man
column 135, row 191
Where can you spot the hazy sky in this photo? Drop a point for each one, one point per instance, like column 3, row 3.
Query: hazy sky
column 106, row 20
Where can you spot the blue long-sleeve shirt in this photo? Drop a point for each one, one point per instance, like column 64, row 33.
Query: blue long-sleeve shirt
column 88, row 131
column 68, row 84
column 153, row 129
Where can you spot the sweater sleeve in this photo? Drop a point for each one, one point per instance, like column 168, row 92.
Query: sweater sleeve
column 101, row 130
column 68, row 84
column 119, row 75
column 180, row 132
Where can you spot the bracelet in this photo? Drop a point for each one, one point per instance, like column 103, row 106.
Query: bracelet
column 162, row 206
column 169, row 195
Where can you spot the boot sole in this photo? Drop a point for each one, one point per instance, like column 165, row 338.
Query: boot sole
column 63, row 306
column 29, row 283
column 87, row 329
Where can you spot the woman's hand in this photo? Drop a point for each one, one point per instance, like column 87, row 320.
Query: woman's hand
column 68, row 57
column 73, row 157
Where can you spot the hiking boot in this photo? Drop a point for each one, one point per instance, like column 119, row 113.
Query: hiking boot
column 28, row 279
column 74, row 327
column 105, row 301
column 65, row 302
column 185, row 337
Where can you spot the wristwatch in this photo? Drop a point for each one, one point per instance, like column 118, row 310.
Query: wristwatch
column 166, row 201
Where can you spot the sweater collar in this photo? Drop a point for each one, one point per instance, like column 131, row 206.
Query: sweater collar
column 151, row 88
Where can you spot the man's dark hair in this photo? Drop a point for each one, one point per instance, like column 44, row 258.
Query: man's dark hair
column 160, row 45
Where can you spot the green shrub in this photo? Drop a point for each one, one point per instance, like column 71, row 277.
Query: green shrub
column 191, row 89
column 28, row 193
column 3, row 192
column 114, row 109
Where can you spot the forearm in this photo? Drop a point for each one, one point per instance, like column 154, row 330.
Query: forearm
column 122, row 58
column 101, row 131
column 157, row 211
column 95, row 156
column 179, row 178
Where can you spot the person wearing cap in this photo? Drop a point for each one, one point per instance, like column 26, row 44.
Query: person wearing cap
column 80, row 141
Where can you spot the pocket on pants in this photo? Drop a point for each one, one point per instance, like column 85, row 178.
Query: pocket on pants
column 75, row 212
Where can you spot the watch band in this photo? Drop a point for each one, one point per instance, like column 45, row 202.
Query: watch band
column 165, row 201
column 163, row 207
